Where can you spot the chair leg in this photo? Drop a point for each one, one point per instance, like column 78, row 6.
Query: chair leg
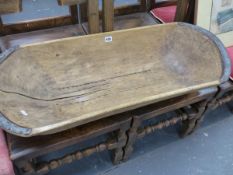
column 230, row 106
column 74, row 13
column 1, row 27
column 93, row 16
column 196, row 115
column 187, row 127
column 132, row 136
column 26, row 169
column 118, row 153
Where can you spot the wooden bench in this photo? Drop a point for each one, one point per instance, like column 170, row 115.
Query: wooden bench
column 189, row 112
column 122, row 131
column 189, row 104
column 189, row 109
column 71, row 79
column 14, row 40
column 24, row 152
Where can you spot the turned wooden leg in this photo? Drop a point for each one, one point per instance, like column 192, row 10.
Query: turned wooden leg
column 118, row 153
column 225, row 99
column 187, row 127
column 201, row 114
column 25, row 168
column 189, row 123
column 195, row 117
column 132, row 136
column 223, row 96
column 40, row 168
column 230, row 107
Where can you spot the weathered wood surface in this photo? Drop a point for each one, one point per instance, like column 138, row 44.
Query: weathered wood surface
column 93, row 16
column 108, row 15
column 182, row 6
column 50, row 87
column 10, row 6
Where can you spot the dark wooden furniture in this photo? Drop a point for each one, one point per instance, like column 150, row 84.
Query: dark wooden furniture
column 15, row 40
column 119, row 10
column 224, row 95
column 13, row 6
column 157, row 4
column 189, row 111
column 25, row 152
column 92, row 12
column 27, row 31
column 128, row 21
column 111, row 17
column 106, row 14
column 122, row 130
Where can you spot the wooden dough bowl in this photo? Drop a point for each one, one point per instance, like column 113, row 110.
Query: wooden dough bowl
column 53, row 86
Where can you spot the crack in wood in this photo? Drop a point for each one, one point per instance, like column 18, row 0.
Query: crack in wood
column 80, row 95
column 55, row 99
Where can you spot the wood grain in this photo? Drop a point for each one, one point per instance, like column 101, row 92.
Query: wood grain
column 129, row 21
column 39, row 24
column 74, row 13
column 181, row 12
column 93, row 16
column 10, row 6
column 108, row 15
column 70, row 2
column 53, row 86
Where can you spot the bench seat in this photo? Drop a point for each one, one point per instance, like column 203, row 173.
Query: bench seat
column 54, row 86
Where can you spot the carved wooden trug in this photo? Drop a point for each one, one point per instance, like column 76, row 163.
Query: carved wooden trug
column 83, row 79
column 64, row 89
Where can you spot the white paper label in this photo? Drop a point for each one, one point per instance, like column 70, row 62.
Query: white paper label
column 108, row 39
column 24, row 113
